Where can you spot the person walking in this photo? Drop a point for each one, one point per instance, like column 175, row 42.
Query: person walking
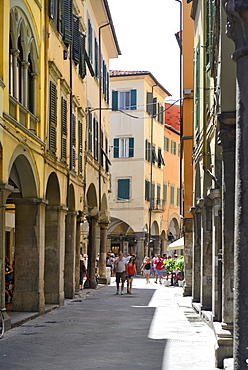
column 159, row 267
column 147, row 266
column 131, row 271
column 120, row 272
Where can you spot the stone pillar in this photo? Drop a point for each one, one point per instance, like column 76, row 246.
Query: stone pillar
column 156, row 243
column 29, row 255
column 70, row 254
column 77, row 257
column 196, row 263
column 227, row 138
column 140, row 237
column 54, row 254
column 214, row 194
column 91, row 281
column 103, row 252
column 5, row 190
column 206, row 256
column 237, row 12
column 188, row 256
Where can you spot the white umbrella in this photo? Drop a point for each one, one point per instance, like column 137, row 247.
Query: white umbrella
column 178, row 244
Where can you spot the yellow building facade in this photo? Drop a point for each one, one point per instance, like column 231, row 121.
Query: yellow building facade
column 54, row 134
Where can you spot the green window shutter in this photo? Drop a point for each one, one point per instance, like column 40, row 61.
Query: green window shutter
column 90, row 132
column 133, row 99
column 73, row 141
column 149, row 151
column 165, row 193
column 149, row 103
column 131, row 147
column 197, row 89
column 63, row 129
column 172, row 195
column 116, row 148
column 95, row 125
column 53, row 118
column 67, row 21
column 147, row 190
column 107, row 93
column 178, row 196
column 154, row 109
column 90, row 41
column 80, row 147
column 114, row 100
column 96, row 59
column 158, row 194
column 82, row 63
column 123, row 189
column 146, row 150
column 76, row 40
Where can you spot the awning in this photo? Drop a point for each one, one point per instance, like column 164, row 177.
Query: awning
column 178, row 244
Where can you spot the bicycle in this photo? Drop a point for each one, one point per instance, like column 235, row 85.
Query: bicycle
column 2, row 322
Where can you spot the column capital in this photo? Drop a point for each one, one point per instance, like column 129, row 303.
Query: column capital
column 237, row 25
column 227, row 132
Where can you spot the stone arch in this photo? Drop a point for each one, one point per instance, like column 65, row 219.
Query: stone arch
column 52, row 190
column 155, row 228
column 22, row 174
column 174, row 227
column 91, row 200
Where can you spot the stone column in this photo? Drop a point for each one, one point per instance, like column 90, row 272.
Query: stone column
column 15, row 53
column 227, row 138
column 29, row 255
column 140, row 237
column 196, row 263
column 91, row 281
column 5, row 190
column 25, row 66
column 237, row 12
column 70, row 254
column 54, row 254
column 206, row 256
column 188, row 256
column 214, row 194
column 103, row 252
column 156, row 243
column 77, row 257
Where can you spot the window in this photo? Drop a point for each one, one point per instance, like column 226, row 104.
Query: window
column 148, row 151
column 90, row 51
column 53, row 118
column 76, row 40
column 124, row 147
column 154, row 156
column 80, row 147
column 73, row 142
column 96, row 59
column 158, row 195
column 123, row 189
column 149, row 103
column 95, row 126
column 166, row 144
column 160, row 116
column 63, row 129
column 147, row 190
column 178, row 196
column 172, row 194
column 173, row 147
column 160, row 158
column 164, row 193
column 124, row 100
column 90, row 132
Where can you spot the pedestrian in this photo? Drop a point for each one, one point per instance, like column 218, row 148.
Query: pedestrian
column 147, row 266
column 159, row 267
column 120, row 272
column 109, row 262
column 82, row 272
column 130, row 271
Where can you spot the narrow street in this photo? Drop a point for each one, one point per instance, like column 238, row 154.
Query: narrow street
column 154, row 328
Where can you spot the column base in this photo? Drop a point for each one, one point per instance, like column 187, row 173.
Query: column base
column 102, row 280
column 90, row 284
column 187, row 291
column 224, row 343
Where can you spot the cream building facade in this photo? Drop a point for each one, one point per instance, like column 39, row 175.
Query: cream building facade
column 137, row 156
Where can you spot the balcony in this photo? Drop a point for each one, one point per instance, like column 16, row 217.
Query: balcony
column 157, row 205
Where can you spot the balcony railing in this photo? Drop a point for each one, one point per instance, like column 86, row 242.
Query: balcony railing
column 157, row 205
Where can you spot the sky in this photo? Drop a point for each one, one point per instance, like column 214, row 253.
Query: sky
column 145, row 32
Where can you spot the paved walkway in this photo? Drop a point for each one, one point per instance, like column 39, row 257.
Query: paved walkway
column 154, row 328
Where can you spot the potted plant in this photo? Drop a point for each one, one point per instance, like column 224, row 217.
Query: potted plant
column 179, row 265
column 169, row 265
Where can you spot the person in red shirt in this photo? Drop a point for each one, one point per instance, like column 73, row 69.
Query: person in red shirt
column 130, row 271
column 159, row 267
